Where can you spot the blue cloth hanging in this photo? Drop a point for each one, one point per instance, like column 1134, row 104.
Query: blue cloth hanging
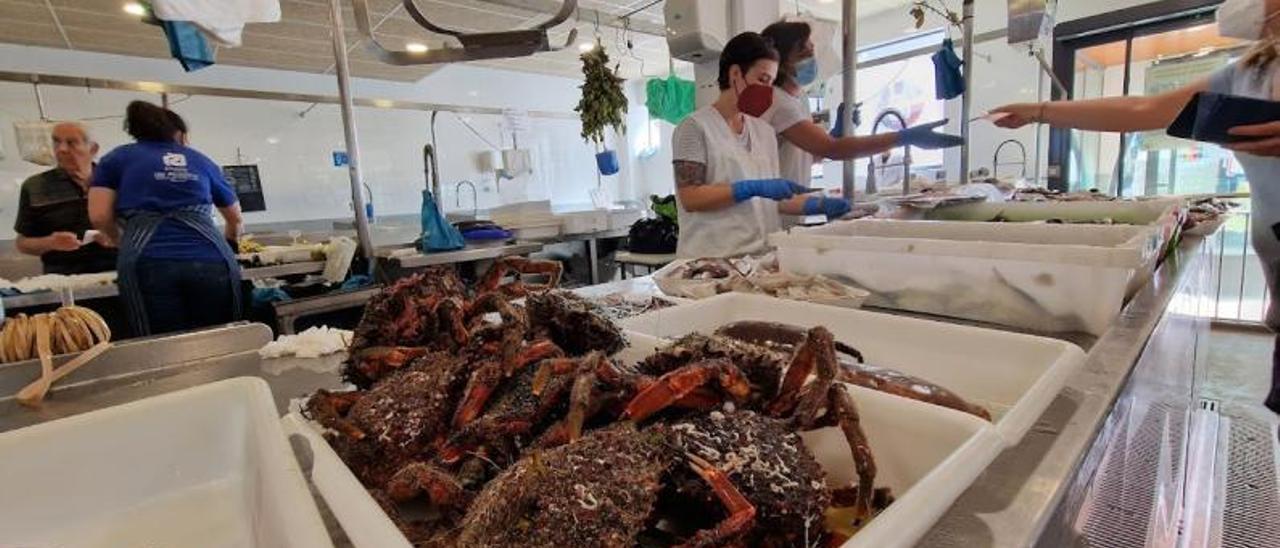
column 437, row 234
column 948, row 80
column 187, row 45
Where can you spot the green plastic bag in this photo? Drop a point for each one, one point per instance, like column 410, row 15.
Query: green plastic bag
column 665, row 207
column 669, row 98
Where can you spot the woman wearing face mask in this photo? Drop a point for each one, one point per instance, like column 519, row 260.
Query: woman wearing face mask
column 800, row 139
column 726, row 161
column 1255, row 75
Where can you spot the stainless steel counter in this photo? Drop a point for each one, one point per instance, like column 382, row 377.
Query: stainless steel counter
column 42, row 298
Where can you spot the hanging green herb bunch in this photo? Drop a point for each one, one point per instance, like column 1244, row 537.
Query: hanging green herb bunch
column 603, row 103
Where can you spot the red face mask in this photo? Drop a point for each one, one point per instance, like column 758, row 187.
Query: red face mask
column 755, row 100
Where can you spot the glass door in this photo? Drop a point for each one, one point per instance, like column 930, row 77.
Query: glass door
column 1150, row 163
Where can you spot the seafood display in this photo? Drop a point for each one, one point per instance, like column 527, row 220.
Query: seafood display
column 619, row 306
column 509, row 425
column 702, row 278
column 1206, row 212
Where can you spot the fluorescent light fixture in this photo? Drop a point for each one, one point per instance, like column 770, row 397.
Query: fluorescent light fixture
column 415, row 47
column 586, row 46
column 134, row 8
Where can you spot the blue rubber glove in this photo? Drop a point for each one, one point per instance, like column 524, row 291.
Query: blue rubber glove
column 833, row 208
column 837, row 125
column 924, row 137
column 773, row 189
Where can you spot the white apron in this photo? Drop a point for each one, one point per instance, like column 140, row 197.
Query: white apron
column 741, row 228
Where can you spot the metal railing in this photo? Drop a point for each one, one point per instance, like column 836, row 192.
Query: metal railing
column 1240, row 292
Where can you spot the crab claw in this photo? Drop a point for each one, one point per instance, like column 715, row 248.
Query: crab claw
column 442, row 489
column 673, row 386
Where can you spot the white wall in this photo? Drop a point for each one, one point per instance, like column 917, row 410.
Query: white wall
column 294, row 153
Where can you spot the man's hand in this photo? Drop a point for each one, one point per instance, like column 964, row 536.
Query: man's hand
column 63, row 241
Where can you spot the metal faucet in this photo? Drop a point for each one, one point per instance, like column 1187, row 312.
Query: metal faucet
column 906, row 155
column 457, row 197
column 995, row 158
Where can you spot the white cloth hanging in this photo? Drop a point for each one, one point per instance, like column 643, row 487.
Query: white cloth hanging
column 221, row 20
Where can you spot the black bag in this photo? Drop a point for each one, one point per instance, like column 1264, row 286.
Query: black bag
column 654, row 236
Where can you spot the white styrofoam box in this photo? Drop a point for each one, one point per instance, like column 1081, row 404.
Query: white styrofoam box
column 1041, row 277
column 540, row 231
column 585, row 222
column 926, row 454
column 624, row 218
column 1014, row 376
column 207, row 466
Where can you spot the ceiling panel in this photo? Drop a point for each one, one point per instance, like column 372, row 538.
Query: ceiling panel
column 300, row 41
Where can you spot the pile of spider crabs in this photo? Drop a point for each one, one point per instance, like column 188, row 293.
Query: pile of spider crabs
column 480, row 420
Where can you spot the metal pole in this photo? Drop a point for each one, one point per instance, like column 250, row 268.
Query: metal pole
column 966, row 102
column 849, row 45
column 349, row 129
column 35, row 86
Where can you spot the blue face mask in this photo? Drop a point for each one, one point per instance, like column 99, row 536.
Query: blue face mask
column 807, row 71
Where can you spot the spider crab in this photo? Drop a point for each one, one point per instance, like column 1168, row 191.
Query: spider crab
column 747, row 464
column 432, row 310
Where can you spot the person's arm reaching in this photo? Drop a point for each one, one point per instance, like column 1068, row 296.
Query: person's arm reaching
column 816, row 141
column 102, row 213
column 1114, row 114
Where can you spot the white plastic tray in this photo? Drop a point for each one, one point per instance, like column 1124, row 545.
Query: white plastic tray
column 1014, row 376
column 206, row 466
column 1041, row 277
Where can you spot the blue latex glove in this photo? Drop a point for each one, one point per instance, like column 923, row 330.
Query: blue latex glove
column 773, row 189
column 837, row 125
column 924, row 137
column 833, row 208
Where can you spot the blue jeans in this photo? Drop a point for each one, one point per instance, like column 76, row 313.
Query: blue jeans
column 185, row 295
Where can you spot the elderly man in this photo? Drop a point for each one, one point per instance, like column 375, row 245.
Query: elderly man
column 53, row 212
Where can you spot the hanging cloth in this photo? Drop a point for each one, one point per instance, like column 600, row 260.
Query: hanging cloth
column 222, row 20
column 437, row 234
column 670, row 98
column 139, row 226
column 187, row 45
column 948, row 80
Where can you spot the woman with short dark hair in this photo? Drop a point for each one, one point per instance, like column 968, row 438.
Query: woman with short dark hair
column 155, row 198
column 726, row 161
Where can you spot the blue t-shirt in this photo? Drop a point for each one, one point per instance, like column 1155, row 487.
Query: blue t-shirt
column 159, row 176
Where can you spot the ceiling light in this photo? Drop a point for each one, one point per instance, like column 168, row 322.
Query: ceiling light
column 273, row 140
column 586, row 46
column 134, row 8
column 415, row 47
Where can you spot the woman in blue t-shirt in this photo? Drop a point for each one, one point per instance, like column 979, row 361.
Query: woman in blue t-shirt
column 155, row 198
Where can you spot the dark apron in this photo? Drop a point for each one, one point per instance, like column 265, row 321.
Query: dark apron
column 139, row 227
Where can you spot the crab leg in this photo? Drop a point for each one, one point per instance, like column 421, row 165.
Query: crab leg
column 844, row 412
column 907, row 386
column 677, row 384
column 375, row 362
column 741, row 513
column 817, row 351
column 451, row 314
column 441, row 488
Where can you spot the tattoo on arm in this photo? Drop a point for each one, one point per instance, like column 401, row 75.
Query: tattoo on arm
column 690, row 173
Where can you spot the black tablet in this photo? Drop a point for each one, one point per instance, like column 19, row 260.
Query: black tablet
column 1209, row 116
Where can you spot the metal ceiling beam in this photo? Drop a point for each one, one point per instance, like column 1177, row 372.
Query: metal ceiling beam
column 586, row 16
column 57, row 22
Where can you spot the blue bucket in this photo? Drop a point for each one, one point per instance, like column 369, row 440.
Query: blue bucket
column 607, row 162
